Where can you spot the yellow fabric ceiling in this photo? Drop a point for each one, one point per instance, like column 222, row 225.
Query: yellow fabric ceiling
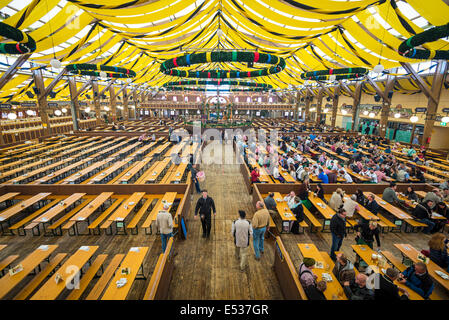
column 308, row 34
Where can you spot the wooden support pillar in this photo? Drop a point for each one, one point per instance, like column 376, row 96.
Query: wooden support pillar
column 96, row 98
column 434, row 100
column 356, row 102
column 319, row 102
column 335, row 105
column 113, row 103
column 75, row 108
column 42, row 100
column 125, row 104
column 136, row 104
column 8, row 74
column 386, row 104
column 307, row 107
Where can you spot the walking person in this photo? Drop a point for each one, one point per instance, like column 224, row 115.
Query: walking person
column 242, row 231
column 260, row 222
column 164, row 221
column 338, row 231
column 204, row 206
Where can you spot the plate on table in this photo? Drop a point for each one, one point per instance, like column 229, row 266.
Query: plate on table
column 442, row 274
column 326, row 277
column 382, row 202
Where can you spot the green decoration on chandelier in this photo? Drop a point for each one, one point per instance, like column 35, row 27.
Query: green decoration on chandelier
column 86, row 69
column 25, row 43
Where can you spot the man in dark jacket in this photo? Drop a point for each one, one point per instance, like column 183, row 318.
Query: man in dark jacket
column 204, row 205
column 418, row 279
column 423, row 213
column 338, row 231
column 357, row 290
column 369, row 231
column 386, row 290
column 372, row 206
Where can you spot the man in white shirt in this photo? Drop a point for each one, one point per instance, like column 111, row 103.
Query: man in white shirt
column 242, row 231
column 164, row 222
column 290, row 199
column 372, row 175
column 346, row 176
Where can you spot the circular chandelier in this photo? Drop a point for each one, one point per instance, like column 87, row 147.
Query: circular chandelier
column 170, row 66
column 25, row 43
column 177, row 88
column 103, row 71
column 335, row 74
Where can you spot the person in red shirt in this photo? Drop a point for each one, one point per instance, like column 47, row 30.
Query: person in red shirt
column 255, row 175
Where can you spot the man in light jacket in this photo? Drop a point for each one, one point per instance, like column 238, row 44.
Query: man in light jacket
column 242, row 231
column 164, row 221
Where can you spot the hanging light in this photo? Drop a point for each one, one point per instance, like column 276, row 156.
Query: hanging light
column 325, row 110
column 344, row 111
column 55, row 63
column 12, row 116
column 64, row 110
column 371, row 115
column 103, row 75
column 106, row 108
column 414, row 118
column 332, row 77
column 397, row 115
column 445, row 119
column 379, row 68
column 312, row 109
column 87, row 110
column 219, row 32
column 365, row 113
column 58, row 112
column 30, row 112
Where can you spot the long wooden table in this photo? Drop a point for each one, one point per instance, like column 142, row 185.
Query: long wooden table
column 7, row 282
column 51, row 290
column 365, row 253
column 133, row 260
column 334, row 290
column 19, row 207
column 410, row 252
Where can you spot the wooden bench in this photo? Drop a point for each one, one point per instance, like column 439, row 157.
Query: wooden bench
column 20, row 225
column 6, row 263
column 314, row 221
column 135, row 220
column 94, row 225
column 101, row 284
column 413, row 225
column 56, row 227
column 41, row 276
column 350, row 224
column 386, row 223
column 87, row 277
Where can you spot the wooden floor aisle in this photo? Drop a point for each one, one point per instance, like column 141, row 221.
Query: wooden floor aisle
column 207, row 268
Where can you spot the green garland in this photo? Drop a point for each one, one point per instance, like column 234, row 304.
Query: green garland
column 218, row 83
column 340, row 74
column 169, row 66
column 94, row 70
column 176, row 88
column 25, row 43
column 408, row 47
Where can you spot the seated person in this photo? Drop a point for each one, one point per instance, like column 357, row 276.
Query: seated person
column 320, row 192
column 306, row 276
column 386, row 289
column 438, row 250
column 343, row 269
column 372, row 205
column 357, row 290
column 423, row 213
column 290, row 198
column 360, row 197
column 255, row 175
column 390, row 196
column 433, row 195
column 322, row 176
column 418, row 279
column 336, row 200
column 411, row 194
column 351, row 206
column 298, row 211
column 316, row 292
column 270, row 203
